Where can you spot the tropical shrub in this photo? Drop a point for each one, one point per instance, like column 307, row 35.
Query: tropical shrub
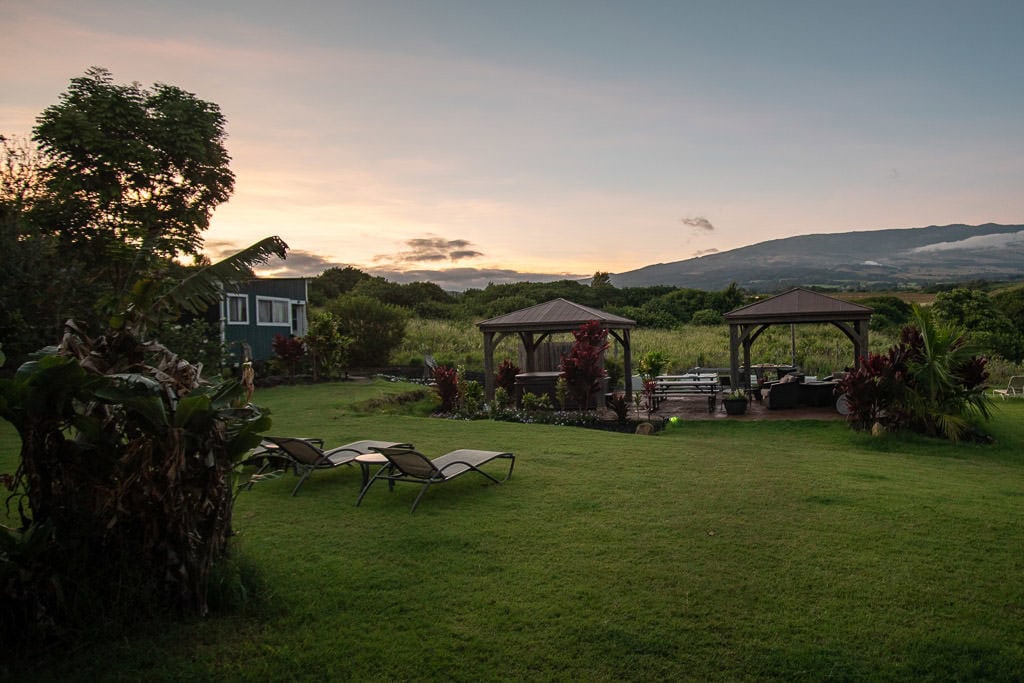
column 562, row 392
column 197, row 340
column 617, row 402
column 932, row 381
column 502, row 400
column 874, row 391
column 706, row 317
column 987, row 326
column 581, row 367
column 1010, row 302
column 651, row 364
column 446, row 380
column 533, row 403
column 614, row 369
column 888, row 312
column 471, row 397
column 328, row 349
column 505, row 377
column 288, row 352
column 125, row 482
column 375, row 328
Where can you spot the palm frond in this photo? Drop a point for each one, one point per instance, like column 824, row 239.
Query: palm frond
column 203, row 288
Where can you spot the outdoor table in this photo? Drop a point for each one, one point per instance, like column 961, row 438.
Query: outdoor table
column 366, row 460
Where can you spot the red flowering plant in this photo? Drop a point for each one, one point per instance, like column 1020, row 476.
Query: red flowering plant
column 289, row 352
column 581, row 367
column 447, row 381
column 506, row 375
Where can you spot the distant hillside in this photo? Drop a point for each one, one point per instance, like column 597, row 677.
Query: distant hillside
column 871, row 259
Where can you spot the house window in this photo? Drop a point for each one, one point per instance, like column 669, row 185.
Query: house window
column 273, row 311
column 237, row 309
column 299, row 319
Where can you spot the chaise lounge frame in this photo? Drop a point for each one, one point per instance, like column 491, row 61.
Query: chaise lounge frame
column 304, row 456
column 1014, row 388
column 406, row 464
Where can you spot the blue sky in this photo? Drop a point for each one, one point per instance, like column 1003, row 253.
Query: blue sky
column 471, row 142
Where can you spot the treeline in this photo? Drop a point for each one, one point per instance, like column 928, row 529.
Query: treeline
column 658, row 306
column 994, row 320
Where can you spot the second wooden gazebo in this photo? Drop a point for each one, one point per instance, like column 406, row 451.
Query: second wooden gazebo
column 535, row 324
column 798, row 305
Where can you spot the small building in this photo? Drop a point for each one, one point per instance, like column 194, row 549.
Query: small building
column 252, row 313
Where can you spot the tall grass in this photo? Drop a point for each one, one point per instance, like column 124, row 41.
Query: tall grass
column 820, row 349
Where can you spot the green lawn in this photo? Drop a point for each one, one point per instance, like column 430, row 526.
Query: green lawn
column 722, row 550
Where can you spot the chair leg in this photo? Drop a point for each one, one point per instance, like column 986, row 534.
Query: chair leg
column 417, row 501
column 491, row 477
column 512, row 464
column 255, row 475
column 365, row 489
column 305, row 475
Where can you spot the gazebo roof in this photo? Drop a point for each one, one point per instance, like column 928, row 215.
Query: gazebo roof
column 557, row 315
column 799, row 305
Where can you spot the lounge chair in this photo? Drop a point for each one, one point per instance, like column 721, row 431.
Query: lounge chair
column 305, row 456
column 405, row 464
column 1014, row 388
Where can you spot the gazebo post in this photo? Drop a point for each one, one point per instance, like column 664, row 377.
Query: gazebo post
column 489, row 365
column 531, row 361
column 622, row 336
column 860, row 346
column 734, row 356
column 747, row 342
column 627, row 365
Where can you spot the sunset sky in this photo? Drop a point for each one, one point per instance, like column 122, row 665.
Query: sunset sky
column 467, row 142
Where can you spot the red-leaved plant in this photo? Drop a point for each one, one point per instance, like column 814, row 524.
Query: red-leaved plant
column 447, row 381
column 506, row 375
column 930, row 382
column 581, row 367
column 289, row 351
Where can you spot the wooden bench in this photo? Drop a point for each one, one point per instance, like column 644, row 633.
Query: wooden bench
column 666, row 386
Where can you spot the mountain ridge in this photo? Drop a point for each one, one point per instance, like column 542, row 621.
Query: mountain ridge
column 867, row 259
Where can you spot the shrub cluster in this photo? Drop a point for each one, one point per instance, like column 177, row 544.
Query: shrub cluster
column 930, row 382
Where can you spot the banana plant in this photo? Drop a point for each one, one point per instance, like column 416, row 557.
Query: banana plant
column 127, row 455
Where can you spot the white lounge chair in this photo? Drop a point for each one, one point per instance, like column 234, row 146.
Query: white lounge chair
column 1013, row 389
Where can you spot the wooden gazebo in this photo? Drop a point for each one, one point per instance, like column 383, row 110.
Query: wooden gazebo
column 798, row 305
column 535, row 324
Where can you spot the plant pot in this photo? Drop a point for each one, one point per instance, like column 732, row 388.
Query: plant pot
column 735, row 406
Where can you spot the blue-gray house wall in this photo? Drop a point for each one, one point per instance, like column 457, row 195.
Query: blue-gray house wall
column 256, row 311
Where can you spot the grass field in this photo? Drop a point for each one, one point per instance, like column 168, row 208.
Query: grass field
column 720, row 551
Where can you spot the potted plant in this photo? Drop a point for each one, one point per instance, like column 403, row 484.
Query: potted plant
column 735, row 402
